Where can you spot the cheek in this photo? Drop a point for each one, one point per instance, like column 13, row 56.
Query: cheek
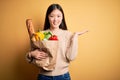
column 50, row 20
column 60, row 20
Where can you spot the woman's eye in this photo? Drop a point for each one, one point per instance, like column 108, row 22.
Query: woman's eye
column 51, row 16
column 59, row 16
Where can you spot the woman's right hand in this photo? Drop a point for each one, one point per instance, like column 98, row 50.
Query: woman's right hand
column 39, row 55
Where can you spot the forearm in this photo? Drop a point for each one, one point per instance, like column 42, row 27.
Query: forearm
column 73, row 48
column 29, row 58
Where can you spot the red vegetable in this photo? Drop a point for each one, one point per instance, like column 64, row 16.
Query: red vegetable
column 53, row 37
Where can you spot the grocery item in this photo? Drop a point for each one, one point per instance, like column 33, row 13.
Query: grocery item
column 40, row 35
column 43, row 41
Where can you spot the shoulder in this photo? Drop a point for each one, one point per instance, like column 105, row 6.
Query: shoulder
column 67, row 32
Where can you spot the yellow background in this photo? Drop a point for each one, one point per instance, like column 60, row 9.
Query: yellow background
column 99, row 49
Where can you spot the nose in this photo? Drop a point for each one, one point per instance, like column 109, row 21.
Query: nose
column 55, row 18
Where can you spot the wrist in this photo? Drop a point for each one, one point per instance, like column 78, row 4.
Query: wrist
column 29, row 55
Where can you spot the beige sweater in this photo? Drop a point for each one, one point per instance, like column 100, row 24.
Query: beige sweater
column 68, row 46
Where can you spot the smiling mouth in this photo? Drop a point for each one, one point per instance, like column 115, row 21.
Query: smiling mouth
column 55, row 23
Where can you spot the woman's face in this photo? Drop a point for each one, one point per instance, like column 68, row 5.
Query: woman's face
column 55, row 18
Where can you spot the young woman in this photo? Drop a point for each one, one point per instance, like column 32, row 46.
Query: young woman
column 68, row 44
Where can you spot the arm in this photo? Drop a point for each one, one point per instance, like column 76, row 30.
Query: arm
column 72, row 50
column 36, row 54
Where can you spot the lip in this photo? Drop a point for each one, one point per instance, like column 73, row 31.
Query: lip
column 55, row 23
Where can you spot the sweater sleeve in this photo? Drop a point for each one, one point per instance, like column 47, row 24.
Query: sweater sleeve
column 28, row 57
column 72, row 48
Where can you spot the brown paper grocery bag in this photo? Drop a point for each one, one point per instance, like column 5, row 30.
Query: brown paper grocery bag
column 50, row 47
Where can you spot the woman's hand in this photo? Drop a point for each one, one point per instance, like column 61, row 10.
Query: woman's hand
column 39, row 55
column 76, row 34
column 80, row 33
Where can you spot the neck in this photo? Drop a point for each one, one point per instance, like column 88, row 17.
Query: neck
column 55, row 30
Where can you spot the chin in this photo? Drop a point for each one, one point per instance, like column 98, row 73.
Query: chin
column 55, row 26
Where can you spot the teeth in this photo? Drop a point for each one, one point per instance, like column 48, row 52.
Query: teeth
column 55, row 23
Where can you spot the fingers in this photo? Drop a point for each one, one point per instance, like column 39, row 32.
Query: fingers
column 82, row 32
column 41, row 55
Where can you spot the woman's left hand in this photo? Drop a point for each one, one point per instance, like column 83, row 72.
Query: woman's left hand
column 80, row 33
column 76, row 34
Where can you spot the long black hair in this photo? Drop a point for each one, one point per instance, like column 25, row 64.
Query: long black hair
column 49, row 10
